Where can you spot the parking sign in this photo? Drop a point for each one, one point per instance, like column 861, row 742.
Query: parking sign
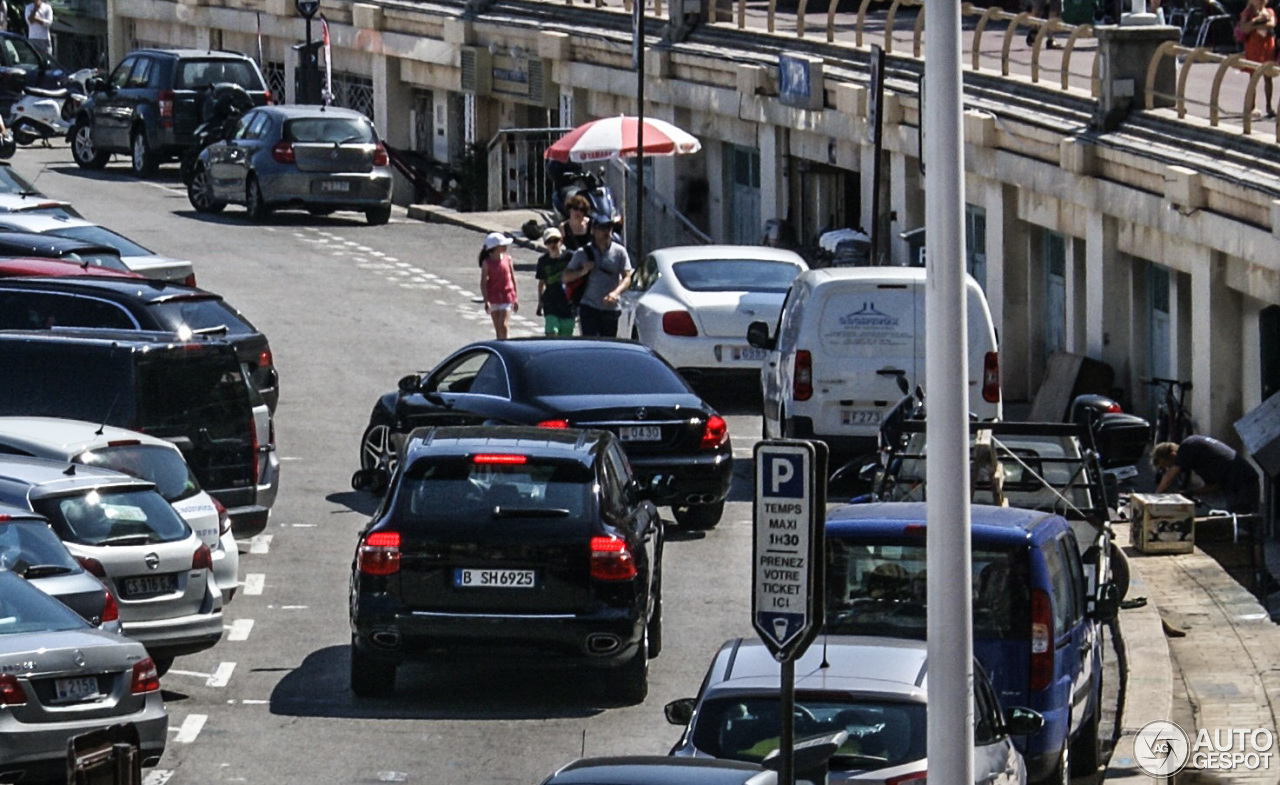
column 790, row 505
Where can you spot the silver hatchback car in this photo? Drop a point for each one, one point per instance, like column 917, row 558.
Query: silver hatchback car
column 318, row 158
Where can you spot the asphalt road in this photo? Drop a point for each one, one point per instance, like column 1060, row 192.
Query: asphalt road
column 349, row 309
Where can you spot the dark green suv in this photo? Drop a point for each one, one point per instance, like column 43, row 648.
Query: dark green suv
column 152, row 103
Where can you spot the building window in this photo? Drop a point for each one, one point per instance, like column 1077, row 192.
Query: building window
column 273, row 72
column 975, row 244
column 1055, row 293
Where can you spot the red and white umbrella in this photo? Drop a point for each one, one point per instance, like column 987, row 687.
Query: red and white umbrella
column 615, row 137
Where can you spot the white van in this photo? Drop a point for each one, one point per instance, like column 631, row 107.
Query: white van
column 844, row 337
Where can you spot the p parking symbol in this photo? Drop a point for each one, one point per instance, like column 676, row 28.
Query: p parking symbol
column 784, row 476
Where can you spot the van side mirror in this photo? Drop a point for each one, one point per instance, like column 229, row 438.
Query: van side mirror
column 1107, row 605
column 1022, row 722
column 758, row 336
column 679, row 711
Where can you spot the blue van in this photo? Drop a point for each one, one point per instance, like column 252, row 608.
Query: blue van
column 1035, row 631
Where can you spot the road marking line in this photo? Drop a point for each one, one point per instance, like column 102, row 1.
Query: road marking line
column 251, row 702
column 190, row 729
column 253, row 583
column 176, row 672
column 157, row 777
column 240, row 629
column 261, row 543
column 222, row 675
column 303, row 525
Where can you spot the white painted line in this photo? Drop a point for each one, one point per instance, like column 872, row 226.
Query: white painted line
column 253, row 583
column 293, row 607
column 190, row 729
column 240, row 629
column 249, row 702
column 157, row 777
column 176, row 672
column 260, row 544
column 303, row 525
column 222, row 675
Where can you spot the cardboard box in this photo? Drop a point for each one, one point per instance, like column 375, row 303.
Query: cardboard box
column 1163, row 522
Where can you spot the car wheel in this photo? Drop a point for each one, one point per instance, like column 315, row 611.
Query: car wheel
column 144, row 161
column 1086, row 749
column 1061, row 774
column 371, row 677
column 377, row 216
column 163, row 664
column 200, row 193
column 629, row 682
column 699, row 516
column 83, row 150
column 254, row 202
column 377, row 451
column 654, row 631
column 24, row 132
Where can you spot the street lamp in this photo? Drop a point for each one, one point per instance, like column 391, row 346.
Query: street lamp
column 309, row 84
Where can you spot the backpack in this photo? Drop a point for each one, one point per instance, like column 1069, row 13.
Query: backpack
column 573, row 290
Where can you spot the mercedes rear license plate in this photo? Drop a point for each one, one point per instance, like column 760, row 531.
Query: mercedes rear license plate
column 640, row 433
column 505, row 579
column 859, row 416
column 68, row 690
column 335, row 186
column 149, row 585
column 749, row 353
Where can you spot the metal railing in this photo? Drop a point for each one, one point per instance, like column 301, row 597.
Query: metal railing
column 517, row 174
column 1224, row 64
column 664, row 225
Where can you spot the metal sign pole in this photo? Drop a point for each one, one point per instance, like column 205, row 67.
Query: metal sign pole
column 787, row 733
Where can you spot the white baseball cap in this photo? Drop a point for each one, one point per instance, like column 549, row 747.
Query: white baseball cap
column 495, row 239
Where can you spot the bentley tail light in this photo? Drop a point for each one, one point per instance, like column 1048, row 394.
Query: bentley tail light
column 679, row 323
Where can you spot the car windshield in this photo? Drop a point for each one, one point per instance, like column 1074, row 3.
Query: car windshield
column 31, row 543
column 13, row 183
column 471, row 492
column 881, row 733
column 99, row 235
column 576, row 372
column 329, row 130
column 877, row 587
column 203, row 73
column 98, row 259
column 200, row 314
column 136, row 517
column 735, row 275
column 24, row 608
column 152, row 462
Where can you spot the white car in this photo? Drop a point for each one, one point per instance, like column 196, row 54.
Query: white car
column 137, row 258
column 139, row 455
column 692, row 304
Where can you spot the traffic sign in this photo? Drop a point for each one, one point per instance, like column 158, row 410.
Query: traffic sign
column 787, row 554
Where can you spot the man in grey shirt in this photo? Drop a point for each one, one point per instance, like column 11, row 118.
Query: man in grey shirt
column 608, row 270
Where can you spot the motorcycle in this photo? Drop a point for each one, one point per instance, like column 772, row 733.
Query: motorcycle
column 1119, row 439
column 570, row 179
column 220, row 113
column 40, row 115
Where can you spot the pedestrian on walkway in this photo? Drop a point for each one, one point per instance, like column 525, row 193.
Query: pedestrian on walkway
column 1258, row 26
column 498, row 282
column 39, row 16
column 608, row 269
column 1050, row 11
column 553, row 305
column 1221, row 469
column 576, row 229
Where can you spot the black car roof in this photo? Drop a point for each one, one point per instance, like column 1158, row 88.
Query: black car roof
column 522, row 439
column 131, row 340
column 523, row 347
column 144, row 290
column 35, row 244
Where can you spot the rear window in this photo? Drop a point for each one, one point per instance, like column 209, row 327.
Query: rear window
column 574, row 372
column 24, row 608
column 114, row 518
column 879, row 588
column 202, row 315
column 200, row 392
column 30, row 543
column 102, row 236
column 330, row 130
column 48, row 378
column 151, row 462
column 203, row 73
column 871, row 322
column 467, row 494
column 735, row 275
column 881, row 733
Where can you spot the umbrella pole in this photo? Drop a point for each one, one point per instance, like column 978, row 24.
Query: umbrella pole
column 638, row 10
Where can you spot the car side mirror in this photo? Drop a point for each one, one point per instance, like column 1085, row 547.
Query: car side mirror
column 373, row 481
column 1107, row 605
column 1022, row 722
column 680, row 711
column 758, row 336
column 410, row 384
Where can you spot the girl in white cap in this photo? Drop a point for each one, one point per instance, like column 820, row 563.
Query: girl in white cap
column 498, row 282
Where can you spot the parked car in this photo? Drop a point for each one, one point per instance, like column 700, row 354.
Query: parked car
column 192, row 392
column 25, row 66
column 124, row 532
column 619, row 386
column 34, row 204
column 30, row 549
column 135, row 257
column 321, row 159
column 502, row 540
column 25, row 267
column 692, row 304
column 60, row 678
column 149, row 458
column 13, row 182
column 658, row 770
column 150, row 105
column 1033, row 629
column 139, row 305
column 88, row 255
column 845, row 337
column 874, row 689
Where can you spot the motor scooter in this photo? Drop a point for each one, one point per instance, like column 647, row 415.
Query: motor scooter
column 1119, row 439
column 44, row 114
column 220, row 113
column 570, row 179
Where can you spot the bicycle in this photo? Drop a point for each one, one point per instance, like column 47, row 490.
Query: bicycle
column 1173, row 421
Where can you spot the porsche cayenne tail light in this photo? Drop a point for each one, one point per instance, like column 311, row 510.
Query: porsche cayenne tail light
column 554, row 424
column 11, row 692
column 164, row 102
column 224, row 520
column 1041, row 640
column 714, row 433
column 991, row 377
column 145, row 677
column 679, row 323
column 802, row 382
column 282, row 153
column 110, row 608
column 379, row 155
column 202, row 559
column 92, row 566
column 379, row 554
column 610, row 560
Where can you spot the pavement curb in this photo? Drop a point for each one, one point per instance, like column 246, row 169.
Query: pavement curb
column 485, row 222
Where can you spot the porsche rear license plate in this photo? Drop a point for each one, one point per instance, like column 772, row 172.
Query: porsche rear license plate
column 335, row 186
column 68, row 690
column 859, row 416
column 505, row 579
column 149, row 585
column 640, row 433
column 749, row 353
